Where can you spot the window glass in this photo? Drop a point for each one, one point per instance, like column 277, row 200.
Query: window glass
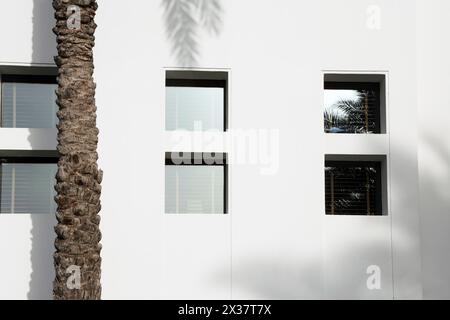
column 353, row 188
column 28, row 187
column 28, row 105
column 195, row 189
column 351, row 107
column 194, row 108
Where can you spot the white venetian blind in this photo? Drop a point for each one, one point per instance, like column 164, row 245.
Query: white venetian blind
column 27, row 188
column 187, row 107
column 28, row 105
column 194, row 189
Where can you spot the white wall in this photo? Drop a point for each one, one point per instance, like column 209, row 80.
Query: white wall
column 26, row 241
column 349, row 44
column 434, row 145
column 276, row 242
column 25, row 32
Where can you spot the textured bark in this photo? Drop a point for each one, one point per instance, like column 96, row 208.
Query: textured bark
column 78, row 178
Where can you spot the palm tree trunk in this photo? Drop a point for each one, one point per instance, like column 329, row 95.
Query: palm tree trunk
column 78, row 178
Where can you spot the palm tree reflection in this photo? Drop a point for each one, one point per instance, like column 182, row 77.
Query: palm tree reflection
column 351, row 115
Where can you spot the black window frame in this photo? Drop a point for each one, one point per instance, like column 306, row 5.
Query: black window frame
column 29, row 78
column 200, row 156
column 378, row 201
column 205, row 83
column 360, row 85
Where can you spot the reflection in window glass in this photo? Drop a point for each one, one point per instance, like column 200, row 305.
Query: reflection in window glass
column 194, row 108
column 194, row 189
column 353, row 188
column 28, row 105
column 27, row 188
column 351, row 107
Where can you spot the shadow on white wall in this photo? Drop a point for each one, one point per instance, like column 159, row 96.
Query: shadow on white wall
column 183, row 21
column 42, row 234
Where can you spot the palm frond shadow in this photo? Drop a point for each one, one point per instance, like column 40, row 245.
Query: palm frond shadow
column 184, row 19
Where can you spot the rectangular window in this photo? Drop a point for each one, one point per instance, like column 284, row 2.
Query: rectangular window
column 196, row 104
column 27, row 185
column 352, row 107
column 353, row 188
column 28, row 101
column 196, row 183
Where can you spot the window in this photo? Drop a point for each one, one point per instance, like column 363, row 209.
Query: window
column 196, row 183
column 196, row 100
column 353, row 187
column 27, row 178
column 28, row 101
column 354, row 103
column 27, row 184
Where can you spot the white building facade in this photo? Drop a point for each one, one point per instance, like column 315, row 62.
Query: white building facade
column 271, row 238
